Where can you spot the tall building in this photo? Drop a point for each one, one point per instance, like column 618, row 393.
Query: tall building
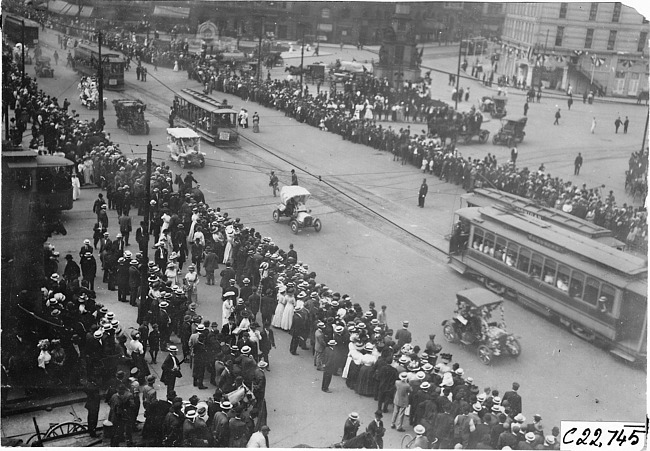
column 588, row 46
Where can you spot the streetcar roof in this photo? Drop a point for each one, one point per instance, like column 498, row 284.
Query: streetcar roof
column 209, row 107
column 19, row 19
column 52, row 161
column 182, row 133
column 479, row 297
column 585, row 254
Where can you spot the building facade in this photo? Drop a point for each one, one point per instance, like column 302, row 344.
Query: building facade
column 586, row 46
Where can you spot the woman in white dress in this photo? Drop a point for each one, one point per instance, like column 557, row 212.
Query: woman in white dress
column 230, row 239
column 368, row 114
column 175, row 65
column 226, row 309
column 76, row 187
column 279, row 310
column 287, row 315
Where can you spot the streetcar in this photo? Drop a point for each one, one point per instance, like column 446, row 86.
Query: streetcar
column 485, row 197
column 215, row 121
column 86, row 58
column 597, row 292
column 12, row 28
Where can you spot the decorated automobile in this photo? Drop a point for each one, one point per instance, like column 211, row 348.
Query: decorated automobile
column 185, row 147
column 473, row 325
column 293, row 205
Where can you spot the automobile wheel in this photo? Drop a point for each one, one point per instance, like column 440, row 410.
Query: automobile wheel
column 318, row 225
column 494, row 287
column 484, row 355
column 450, row 333
column 513, row 347
column 202, row 163
column 483, row 137
column 294, row 226
column 276, row 215
column 182, row 163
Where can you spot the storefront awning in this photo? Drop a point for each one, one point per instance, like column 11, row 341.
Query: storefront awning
column 175, row 12
column 56, row 6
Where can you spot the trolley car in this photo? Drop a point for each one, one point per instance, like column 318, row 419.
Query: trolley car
column 597, row 292
column 86, row 62
column 13, row 30
column 216, row 122
column 485, row 197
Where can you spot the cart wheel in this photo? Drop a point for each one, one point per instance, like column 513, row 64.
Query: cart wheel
column 182, row 163
column 514, row 348
column 483, row 137
column 294, row 226
column 202, row 163
column 450, row 333
column 484, row 355
column 67, row 428
column 318, row 225
column 276, row 215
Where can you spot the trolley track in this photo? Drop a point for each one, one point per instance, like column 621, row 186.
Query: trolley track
column 334, row 192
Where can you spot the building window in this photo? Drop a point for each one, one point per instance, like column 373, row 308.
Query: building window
column 593, row 11
column 617, row 12
column 611, row 42
column 643, row 38
column 559, row 36
column 590, row 37
column 563, row 8
column 325, row 13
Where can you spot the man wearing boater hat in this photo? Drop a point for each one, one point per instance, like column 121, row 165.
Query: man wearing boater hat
column 351, row 426
column 171, row 369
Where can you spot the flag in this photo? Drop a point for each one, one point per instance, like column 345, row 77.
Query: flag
column 597, row 61
column 559, row 58
column 627, row 63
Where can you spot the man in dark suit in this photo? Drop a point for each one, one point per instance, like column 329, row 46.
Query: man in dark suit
column 299, row 329
column 377, row 430
column 170, row 370
column 351, row 426
column 86, row 248
column 403, row 336
column 93, row 401
column 141, row 237
column 125, row 226
column 330, row 366
column 514, row 399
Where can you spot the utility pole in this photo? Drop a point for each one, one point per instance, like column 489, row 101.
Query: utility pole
column 302, row 56
column 100, row 83
column 259, row 51
column 460, row 48
column 22, row 48
column 144, row 281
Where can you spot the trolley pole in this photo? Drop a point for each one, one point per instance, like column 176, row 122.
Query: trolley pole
column 259, row 51
column 645, row 135
column 22, row 48
column 144, row 282
column 100, row 83
column 460, row 47
column 302, row 57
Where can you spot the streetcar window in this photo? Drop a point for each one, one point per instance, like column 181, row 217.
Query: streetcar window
column 499, row 249
column 488, row 248
column 577, row 285
column 591, row 291
column 607, row 294
column 510, row 257
column 536, row 266
column 477, row 243
column 524, row 260
column 549, row 271
column 563, row 277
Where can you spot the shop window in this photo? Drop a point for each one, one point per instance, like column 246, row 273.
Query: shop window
column 643, row 38
column 611, row 42
column 549, row 272
column 589, row 39
column 559, row 36
column 577, row 285
column 591, row 291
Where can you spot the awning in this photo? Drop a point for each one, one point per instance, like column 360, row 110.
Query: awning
column 56, row 6
column 87, row 11
column 175, row 12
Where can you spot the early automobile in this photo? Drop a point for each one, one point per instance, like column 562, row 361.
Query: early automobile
column 474, row 325
column 495, row 105
column 43, row 67
column 185, row 147
column 293, row 206
column 511, row 132
column 130, row 116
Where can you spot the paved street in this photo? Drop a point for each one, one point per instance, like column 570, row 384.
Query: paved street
column 360, row 253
